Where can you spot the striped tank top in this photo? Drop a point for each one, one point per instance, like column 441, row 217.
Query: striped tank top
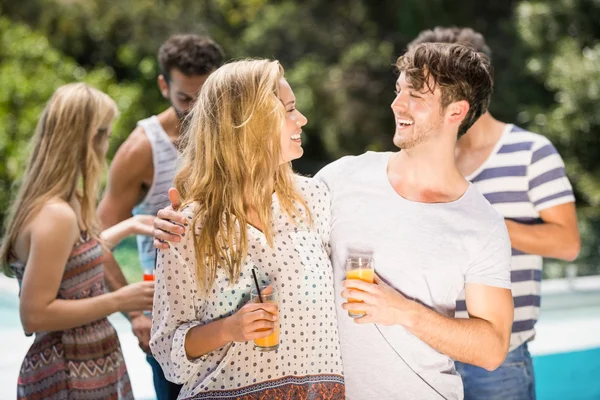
column 164, row 159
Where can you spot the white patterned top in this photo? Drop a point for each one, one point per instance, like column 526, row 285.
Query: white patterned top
column 308, row 362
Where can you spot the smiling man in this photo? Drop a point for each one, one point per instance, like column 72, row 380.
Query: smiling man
column 431, row 234
column 144, row 166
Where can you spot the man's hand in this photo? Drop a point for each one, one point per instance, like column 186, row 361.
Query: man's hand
column 382, row 303
column 165, row 230
column 141, row 325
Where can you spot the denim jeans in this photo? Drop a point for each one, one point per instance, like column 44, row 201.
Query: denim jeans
column 513, row 380
column 164, row 389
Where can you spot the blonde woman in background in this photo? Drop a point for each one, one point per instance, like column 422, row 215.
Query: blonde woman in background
column 52, row 245
column 247, row 210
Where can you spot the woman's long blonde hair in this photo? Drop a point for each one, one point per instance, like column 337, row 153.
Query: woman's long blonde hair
column 231, row 162
column 65, row 160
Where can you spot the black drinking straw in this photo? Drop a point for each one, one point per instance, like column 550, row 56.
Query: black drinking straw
column 257, row 287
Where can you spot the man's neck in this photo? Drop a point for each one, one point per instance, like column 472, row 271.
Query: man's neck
column 427, row 173
column 476, row 146
column 170, row 122
column 484, row 133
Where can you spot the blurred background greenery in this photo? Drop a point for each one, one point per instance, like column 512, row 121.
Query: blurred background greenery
column 338, row 56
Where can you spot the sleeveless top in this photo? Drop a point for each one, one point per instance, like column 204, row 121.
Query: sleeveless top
column 164, row 159
column 85, row 362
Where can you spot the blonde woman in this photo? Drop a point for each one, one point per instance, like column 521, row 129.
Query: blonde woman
column 52, row 245
column 247, row 210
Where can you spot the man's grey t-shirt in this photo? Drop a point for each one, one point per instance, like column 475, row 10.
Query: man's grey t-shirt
column 427, row 251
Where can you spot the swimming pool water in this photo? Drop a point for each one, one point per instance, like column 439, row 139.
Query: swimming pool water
column 568, row 376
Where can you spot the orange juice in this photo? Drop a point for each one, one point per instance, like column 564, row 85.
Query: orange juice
column 148, row 277
column 267, row 295
column 270, row 342
column 364, row 274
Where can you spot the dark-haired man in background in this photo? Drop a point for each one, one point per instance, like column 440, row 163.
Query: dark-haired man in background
column 522, row 175
column 143, row 168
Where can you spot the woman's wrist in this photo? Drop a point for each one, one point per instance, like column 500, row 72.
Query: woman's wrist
column 202, row 339
column 113, row 301
column 225, row 329
column 115, row 234
column 129, row 227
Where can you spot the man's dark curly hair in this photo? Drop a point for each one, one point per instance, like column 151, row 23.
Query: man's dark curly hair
column 453, row 34
column 190, row 54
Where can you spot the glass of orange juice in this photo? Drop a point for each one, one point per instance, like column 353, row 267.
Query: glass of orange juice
column 359, row 268
column 148, row 277
column 148, row 273
column 271, row 342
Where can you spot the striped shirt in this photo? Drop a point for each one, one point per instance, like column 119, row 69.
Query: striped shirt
column 164, row 159
column 523, row 175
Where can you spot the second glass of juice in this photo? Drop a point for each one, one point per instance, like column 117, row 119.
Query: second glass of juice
column 359, row 268
column 271, row 342
column 148, row 273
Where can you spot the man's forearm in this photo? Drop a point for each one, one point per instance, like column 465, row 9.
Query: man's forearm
column 547, row 240
column 473, row 340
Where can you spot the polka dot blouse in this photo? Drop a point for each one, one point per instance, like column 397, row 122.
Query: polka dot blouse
column 308, row 362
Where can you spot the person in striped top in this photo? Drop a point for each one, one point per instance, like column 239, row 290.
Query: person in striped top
column 522, row 175
column 143, row 168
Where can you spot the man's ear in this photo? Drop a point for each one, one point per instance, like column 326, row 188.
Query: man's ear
column 163, row 86
column 457, row 111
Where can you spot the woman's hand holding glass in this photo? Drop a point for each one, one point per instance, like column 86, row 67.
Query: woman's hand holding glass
column 252, row 321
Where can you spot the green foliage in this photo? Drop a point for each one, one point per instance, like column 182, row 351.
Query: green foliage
column 338, row 55
column 566, row 55
column 30, row 70
column 126, row 255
